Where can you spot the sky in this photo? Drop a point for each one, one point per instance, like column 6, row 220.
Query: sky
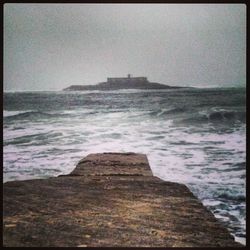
column 52, row 46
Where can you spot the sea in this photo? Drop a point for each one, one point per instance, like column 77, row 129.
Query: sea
column 193, row 136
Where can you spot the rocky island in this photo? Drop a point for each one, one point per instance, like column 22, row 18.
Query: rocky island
column 115, row 83
column 108, row 200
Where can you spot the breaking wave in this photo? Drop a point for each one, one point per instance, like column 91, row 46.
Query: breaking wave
column 31, row 115
column 214, row 117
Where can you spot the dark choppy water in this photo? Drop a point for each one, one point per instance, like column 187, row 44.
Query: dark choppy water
column 193, row 136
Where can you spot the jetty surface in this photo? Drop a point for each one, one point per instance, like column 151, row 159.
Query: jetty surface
column 108, row 200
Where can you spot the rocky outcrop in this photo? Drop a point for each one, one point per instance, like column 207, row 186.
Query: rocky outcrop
column 108, row 200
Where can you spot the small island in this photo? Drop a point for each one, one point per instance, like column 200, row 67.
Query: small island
column 115, row 83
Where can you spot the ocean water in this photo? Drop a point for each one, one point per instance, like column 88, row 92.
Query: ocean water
column 191, row 136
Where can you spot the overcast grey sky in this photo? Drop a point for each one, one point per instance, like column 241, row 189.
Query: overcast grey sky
column 52, row 46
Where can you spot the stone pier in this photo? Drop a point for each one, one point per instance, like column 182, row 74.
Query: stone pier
column 108, row 200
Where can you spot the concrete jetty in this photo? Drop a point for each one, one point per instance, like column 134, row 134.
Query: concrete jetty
column 108, row 200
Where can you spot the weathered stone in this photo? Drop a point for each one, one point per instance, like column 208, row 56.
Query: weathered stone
column 108, row 207
column 113, row 164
